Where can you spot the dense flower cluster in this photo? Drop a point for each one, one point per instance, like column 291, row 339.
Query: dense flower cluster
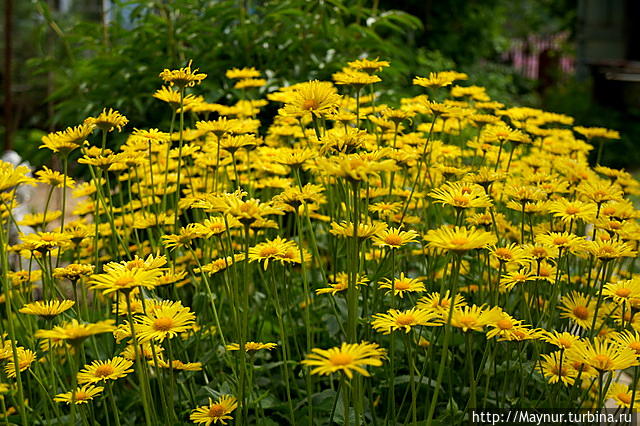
column 444, row 244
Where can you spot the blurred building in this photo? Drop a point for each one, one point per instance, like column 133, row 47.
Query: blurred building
column 608, row 50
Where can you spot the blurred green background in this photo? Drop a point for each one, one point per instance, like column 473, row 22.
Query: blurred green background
column 70, row 58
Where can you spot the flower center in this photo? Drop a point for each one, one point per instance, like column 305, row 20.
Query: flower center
column 559, row 241
column 268, row 251
column 393, row 240
column 405, row 319
column 572, row 210
column 623, row 292
column 581, row 312
column 635, row 346
column 402, row 285
column 460, row 241
column 461, row 200
column 467, row 320
column 47, row 238
column 310, row 104
column 81, row 396
column 216, row 411
column 104, row 370
column 505, row 324
column 565, row 343
column 124, row 281
column 602, row 361
column 504, row 253
column 624, row 397
column 163, row 324
column 341, row 359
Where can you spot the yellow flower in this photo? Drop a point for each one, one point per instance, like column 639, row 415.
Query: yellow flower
column 394, row 238
column 215, row 412
column 609, row 250
column 246, row 83
column 81, row 395
column 562, row 340
column 165, row 321
column 433, row 302
column 26, row 357
column 562, row 240
column 113, row 369
column 369, row 66
column 183, row 77
column 402, row 285
column 347, row 358
column 554, row 371
column 53, row 178
column 461, row 196
column 597, row 132
column 11, row 176
column 404, row 320
column 74, row 332
column 341, row 283
column 235, row 73
column 251, row 347
column 73, row 272
column 68, row 139
column 459, row 239
column 125, row 280
column 578, row 308
column 629, row 339
column 317, row 98
column 512, row 253
column 108, row 120
column 623, row 291
column 511, row 279
column 278, row 249
column 604, row 355
column 569, row 211
column 435, row 80
column 357, row 79
column 45, row 241
column 47, row 309
column 474, row 317
column 622, row 395
column 364, row 230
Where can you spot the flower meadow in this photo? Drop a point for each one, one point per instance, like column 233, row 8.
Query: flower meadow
column 345, row 262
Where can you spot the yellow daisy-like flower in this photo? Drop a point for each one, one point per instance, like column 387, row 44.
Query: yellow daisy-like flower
column 165, row 321
column 125, row 280
column 242, row 73
column 510, row 280
column 562, row 340
column 622, row 395
column 364, row 230
column 54, row 178
column 474, row 318
column 459, row 239
column 578, row 308
column 503, row 325
column 629, row 339
column 394, row 238
column 609, row 250
column 402, row 285
column 26, row 357
column 108, row 120
column 604, row 355
column 357, row 79
column 215, row 412
column 554, row 372
column 81, row 395
column 183, row 77
column 47, row 309
column 369, row 66
column 113, row 369
column 435, row 80
column 45, row 241
column 347, row 358
column 512, row 253
column 317, row 98
column 562, row 240
column 461, row 196
column 251, row 347
column 341, row 283
column 623, row 291
column 73, row 272
column 404, row 320
column 74, row 332
column 433, row 302
column 569, row 211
